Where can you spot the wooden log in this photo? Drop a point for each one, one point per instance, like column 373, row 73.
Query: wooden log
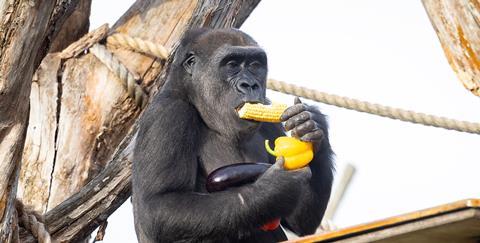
column 457, row 24
column 26, row 29
column 74, row 27
column 93, row 115
column 39, row 153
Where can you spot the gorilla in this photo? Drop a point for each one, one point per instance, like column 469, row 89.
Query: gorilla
column 191, row 128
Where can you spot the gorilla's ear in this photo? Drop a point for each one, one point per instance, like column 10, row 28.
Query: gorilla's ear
column 189, row 62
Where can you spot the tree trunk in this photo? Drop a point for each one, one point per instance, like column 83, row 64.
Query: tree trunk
column 82, row 113
column 26, row 29
column 457, row 24
column 74, row 27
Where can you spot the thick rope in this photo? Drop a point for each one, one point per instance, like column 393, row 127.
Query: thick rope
column 138, row 45
column 126, row 77
column 31, row 222
column 375, row 109
column 37, row 228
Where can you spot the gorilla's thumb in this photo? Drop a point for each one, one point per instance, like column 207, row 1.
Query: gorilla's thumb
column 280, row 162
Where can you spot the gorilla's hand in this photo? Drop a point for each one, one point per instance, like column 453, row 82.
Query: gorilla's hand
column 305, row 122
column 282, row 187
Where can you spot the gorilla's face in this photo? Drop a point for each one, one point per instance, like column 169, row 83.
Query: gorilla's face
column 227, row 69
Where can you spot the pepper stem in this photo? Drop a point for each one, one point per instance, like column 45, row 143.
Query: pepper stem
column 269, row 150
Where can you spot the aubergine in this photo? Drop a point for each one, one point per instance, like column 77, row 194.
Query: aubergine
column 234, row 175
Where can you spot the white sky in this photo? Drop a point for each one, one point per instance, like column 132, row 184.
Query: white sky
column 383, row 51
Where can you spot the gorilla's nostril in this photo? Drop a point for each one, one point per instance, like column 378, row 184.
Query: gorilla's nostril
column 255, row 86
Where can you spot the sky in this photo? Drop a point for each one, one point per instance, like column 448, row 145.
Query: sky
column 382, row 51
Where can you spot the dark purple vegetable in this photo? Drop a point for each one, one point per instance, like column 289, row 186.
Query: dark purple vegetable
column 234, row 175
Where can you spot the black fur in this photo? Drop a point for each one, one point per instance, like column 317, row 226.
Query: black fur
column 191, row 128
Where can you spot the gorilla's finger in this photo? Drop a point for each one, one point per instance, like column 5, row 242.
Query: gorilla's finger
column 304, row 128
column 267, row 101
column 316, row 135
column 297, row 120
column 291, row 111
column 297, row 100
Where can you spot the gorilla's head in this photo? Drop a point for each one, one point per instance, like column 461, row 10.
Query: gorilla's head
column 220, row 69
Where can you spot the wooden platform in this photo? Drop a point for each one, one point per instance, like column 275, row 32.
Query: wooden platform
column 452, row 223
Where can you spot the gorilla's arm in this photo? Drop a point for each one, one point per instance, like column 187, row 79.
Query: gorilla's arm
column 164, row 177
column 313, row 200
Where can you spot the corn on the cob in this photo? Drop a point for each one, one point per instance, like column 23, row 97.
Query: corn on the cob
column 262, row 113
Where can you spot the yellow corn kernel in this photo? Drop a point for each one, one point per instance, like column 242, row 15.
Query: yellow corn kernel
column 262, row 113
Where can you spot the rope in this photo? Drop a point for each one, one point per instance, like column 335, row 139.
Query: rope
column 375, row 109
column 30, row 221
column 134, row 90
column 37, row 228
column 138, row 45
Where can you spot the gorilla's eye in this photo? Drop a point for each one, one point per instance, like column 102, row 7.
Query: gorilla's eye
column 255, row 65
column 189, row 62
column 232, row 64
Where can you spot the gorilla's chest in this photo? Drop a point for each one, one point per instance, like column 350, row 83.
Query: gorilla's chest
column 215, row 153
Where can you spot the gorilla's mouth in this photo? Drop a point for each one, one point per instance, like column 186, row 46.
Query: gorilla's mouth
column 238, row 107
column 239, row 115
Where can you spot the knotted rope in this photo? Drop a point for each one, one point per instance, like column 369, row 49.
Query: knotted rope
column 31, row 222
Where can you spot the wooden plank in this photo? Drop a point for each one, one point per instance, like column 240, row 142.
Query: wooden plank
column 465, row 210
column 459, row 227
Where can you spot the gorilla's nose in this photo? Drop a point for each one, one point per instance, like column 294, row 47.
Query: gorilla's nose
column 246, row 86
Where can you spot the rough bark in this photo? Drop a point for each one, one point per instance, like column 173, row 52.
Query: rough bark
column 457, row 24
column 26, row 28
column 85, row 113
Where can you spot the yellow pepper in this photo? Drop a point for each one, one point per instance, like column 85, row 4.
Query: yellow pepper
column 296, row 153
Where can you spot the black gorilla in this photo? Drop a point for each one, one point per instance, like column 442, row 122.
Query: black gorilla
column 191, row 128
